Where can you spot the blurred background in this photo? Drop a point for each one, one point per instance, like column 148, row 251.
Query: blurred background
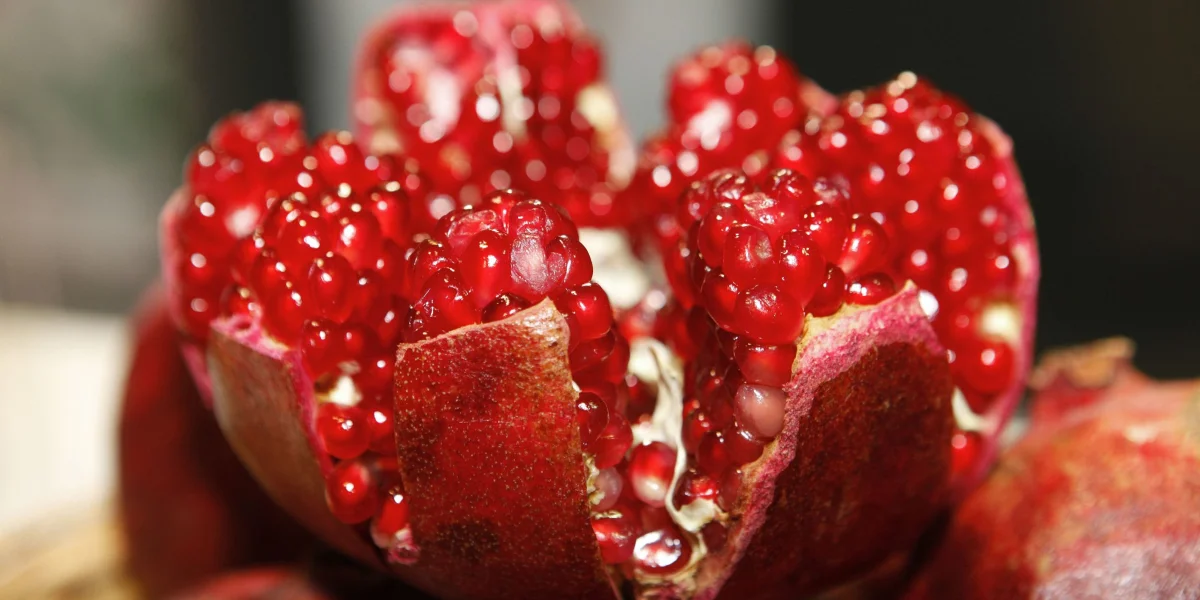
column 100, row 102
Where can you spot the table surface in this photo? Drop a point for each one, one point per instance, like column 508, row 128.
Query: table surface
column 60, row 381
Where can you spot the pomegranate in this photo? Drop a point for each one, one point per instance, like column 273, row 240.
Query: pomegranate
column 450, row 396
column 1098, row 499
column 188, row 508
column 494, row 95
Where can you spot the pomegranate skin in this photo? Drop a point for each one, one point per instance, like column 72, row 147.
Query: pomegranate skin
column 491, row 460
column 188, row 508
column 1097, row 500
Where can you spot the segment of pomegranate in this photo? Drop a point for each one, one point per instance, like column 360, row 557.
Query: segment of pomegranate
column 1096, row 500
column 301, row 364
column 935, row 187
column 188, row 508
column 494, row 95
column 810, row 413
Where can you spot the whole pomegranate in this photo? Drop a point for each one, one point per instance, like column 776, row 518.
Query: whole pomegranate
column 188, row 508
column 448, row 394
column 1099, row 499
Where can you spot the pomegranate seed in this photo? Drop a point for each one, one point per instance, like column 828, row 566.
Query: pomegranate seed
column 651, row 468
column 695, row 426
column 964, row 450
column 759, row 409
column 987, row 366
column 828, row 298
column 871, row 289
column 749, row 257
column 742, row 445
column 504, row 306
column 827, row 226
column 801, row 267
column 713, row 456
column 593, row 352
column 616, row 536
column 392, row 516
column 322, row 347
column 587, row 310
column 731, row 489
column 359, row 238
column 609, row 483
column 763, row 364
column 485, row 265
column 865, row 249
column 379, row 422
column 610, row 447
column 592, row 415
column 352, row 492
column 329, row 282
column 765, row 314
column 662, row 552
column 343, row 430
column 693, row 486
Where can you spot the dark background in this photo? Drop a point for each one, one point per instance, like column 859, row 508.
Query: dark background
column 1101, row 98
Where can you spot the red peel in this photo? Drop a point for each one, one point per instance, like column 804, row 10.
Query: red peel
column 1097, row 499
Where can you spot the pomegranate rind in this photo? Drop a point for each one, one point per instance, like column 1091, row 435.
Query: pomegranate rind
column 263, row 401
column 862, row 464
column 491, row 461
column 1025, row 255
column 1097, row 500
column 375, row 120
column 188, row 508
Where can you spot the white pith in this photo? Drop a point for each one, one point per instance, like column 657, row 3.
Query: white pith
column 614, row 266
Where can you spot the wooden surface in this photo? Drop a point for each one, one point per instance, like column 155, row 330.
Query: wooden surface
column 60, row 376
column 74, row 554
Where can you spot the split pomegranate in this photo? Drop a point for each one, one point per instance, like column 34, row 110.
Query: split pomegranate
column 441, row 389
column 494, row 95
column 1098, row 499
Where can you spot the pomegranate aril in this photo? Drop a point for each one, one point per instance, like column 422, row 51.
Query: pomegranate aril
column 827, row 226
column 592, row 416
column 283, row 315
column 609, row 484
column 731, row 488
column 767, row 315
column 713, row 456
column 504, row 306
column 616, row 536
column 375, row 371
column 742, row 445
column 651, row 468
column 343, row 430
column 587, row 310
column 379, row 422
column 801, row 267
column 695, row 425
column 593, row 352
column 828, row 298
column 693, row 486
column 749, row 257
column 360, row 239
column 613, row 442
column 964, row 451
column 352, row 491
column 986, row 366
column 392, row 516
column 662, row 551
column 484, row 263
column 764, row 364
column 329, row 282
column 759, row 409
column 871, row 289
column 866, row 247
